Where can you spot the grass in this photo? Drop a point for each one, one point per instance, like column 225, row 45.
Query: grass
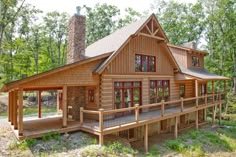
column 32, row 110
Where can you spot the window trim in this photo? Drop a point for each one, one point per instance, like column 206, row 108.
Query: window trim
column 148, row 62
column 156, row 87
column 122, row 88
column 197, row 61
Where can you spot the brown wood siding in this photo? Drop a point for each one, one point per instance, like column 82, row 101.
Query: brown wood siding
column 107, row 91
column 189, row 89
column 180, row 55
column 81, row 75
column 124, row 63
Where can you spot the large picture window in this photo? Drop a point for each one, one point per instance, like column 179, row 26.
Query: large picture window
column 127, row 94
column 159, row 90
column 144, row 63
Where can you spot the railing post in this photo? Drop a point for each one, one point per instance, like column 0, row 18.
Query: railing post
column 162, row 108
column 101, row 119
column 220, row 109
column 182, row 104
column 136, row 113
column 81, row 115
column 197, row 101
column 205, row 99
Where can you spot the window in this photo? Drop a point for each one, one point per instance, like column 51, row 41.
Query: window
column 91, row 95
column 195, row 61
column 182, row 90
column 127, row 94
column 144, row 63
column 159, row 89
column 202, row 89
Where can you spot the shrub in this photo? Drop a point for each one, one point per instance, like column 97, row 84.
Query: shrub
column 51, row 135
column 175, row 145
column 153, row 152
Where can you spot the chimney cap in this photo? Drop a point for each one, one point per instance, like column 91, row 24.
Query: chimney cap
column 78, row 9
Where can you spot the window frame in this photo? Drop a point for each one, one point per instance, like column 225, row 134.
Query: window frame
column 183, row 85
column 159, row 84
column 197, row 60
column 123, row 88
column 148, row 63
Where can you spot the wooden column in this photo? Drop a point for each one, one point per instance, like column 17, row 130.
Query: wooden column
column 196, row 92
column 213, row 115
column 136, row 113
column 14, row 108
column 58, row 101
column 101, row 119
column 146, row 138
column 176, row 127
column 64, row 107
column 220, row 109
column 39, row 104
column 196, row 119
column 213, row 91
column 225, row 87
column 20, row 109
column 101, row 139
column 9, row 106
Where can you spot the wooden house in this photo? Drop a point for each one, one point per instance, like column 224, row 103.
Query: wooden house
column 133, row 83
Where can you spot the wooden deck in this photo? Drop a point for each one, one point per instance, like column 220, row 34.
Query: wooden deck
column 38, row 127
column 108, row 123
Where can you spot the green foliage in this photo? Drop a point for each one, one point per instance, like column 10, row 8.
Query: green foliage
column 53, row 135
column 118, row 148
column 25, row 144
column 153, row 151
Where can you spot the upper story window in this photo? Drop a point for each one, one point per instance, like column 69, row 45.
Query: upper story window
column 145, row 63
column 195, row 61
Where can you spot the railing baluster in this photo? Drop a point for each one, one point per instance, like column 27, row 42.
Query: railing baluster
column 205, row 99
column 136, row 113
column 162, row 108
column 81, row 115
column 101, row 125
column 182, row 104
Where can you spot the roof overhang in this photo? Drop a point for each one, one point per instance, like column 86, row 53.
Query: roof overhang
column 16, row 84
column 198, row 74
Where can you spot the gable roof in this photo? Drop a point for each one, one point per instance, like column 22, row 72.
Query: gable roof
column 13, row 84
column 117, row 40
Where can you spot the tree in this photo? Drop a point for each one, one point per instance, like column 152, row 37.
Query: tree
column 182, row 22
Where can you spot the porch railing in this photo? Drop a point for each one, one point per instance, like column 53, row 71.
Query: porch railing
column 136, row 114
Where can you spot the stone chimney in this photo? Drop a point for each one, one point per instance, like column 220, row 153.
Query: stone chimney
column 191, row 44
column 76, row 37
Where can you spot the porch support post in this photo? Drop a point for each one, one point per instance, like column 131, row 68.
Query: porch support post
column 213, row 115
column 220, row 109
column 176, row 127
column 15, row 109
column 146, row 138
column 9, row 106
column 39, row 103
column 196, row 119
column 58, row 101
column 20, row 123
column 213, row 91
column 101, row 139
column 225, row 87
column 196, row 92
column 64, row 118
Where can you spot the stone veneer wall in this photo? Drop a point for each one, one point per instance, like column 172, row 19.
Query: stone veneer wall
column 76, row 99
column 76, row 39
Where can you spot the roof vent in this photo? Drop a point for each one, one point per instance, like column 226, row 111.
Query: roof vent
column 78, row 9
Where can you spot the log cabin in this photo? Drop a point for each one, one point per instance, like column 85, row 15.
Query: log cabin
column 132, row 83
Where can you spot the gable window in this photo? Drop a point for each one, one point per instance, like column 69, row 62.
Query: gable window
column 195, row 61
column 159, row 90
column 145, row 63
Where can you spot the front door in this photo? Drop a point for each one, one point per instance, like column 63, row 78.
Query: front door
column 126, row 94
